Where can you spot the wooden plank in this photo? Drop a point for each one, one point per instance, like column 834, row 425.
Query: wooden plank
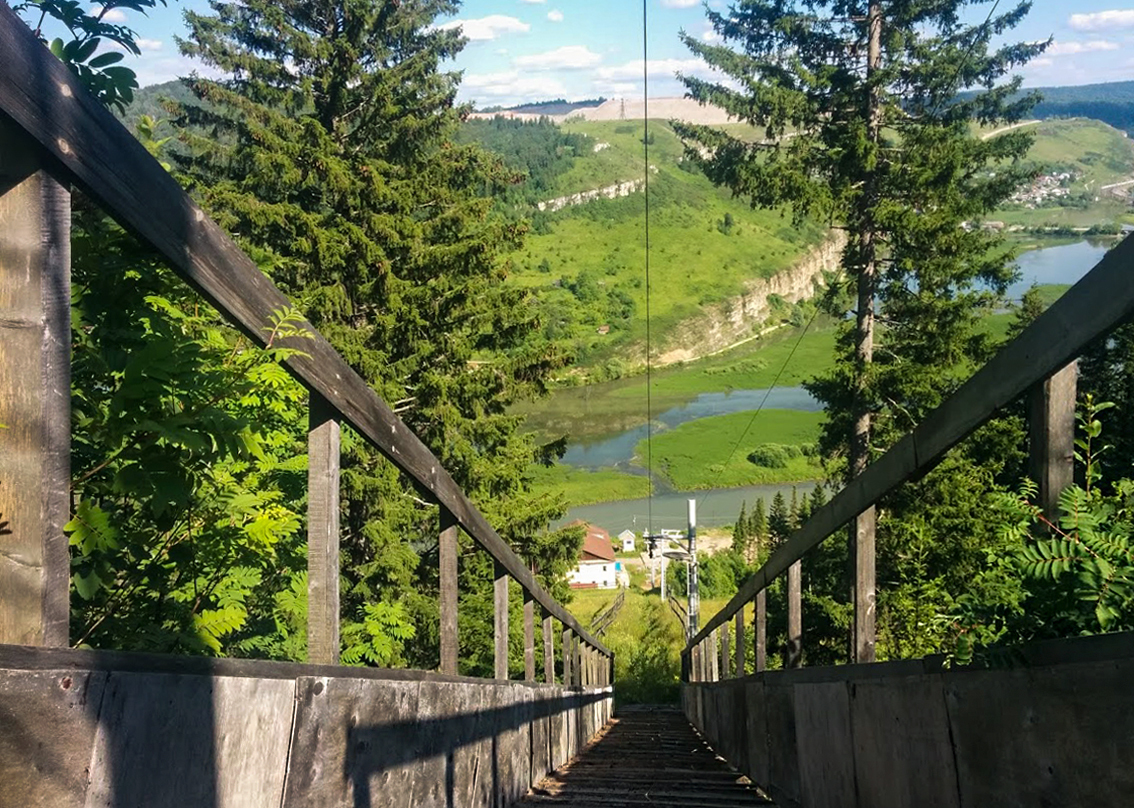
column 761, row 630
column 192, row 741
column 1051, row 433
column 323, row 455
column 726, row 656
column 447, row 561
column 548, row 650
column 903, row 750
column 500, row 625
column 825, row 747
column 49, row 721
column 103, row 158
column 567, row 681
column 529, row 637
column 864, row 585
column 740, row 649
column 35, row 377
column 793, row 652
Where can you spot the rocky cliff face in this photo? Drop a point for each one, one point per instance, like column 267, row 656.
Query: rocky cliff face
column 741, row 318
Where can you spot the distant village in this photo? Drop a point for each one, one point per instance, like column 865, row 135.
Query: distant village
column 1045, row 189
column 599, row 566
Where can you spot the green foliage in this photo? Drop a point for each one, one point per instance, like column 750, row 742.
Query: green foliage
column 333, row 157
column 184, row 450
column 99, row 71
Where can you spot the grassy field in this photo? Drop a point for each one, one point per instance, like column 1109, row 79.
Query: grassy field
column 591, row 411
column 713, row 452
column 588, row 261
column 582, row 487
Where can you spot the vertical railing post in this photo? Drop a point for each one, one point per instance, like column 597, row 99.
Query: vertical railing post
column 500, row 633
column 761, row 632
column 323, row 456
column 793, row 653
column 548, row 650
column 576, row 660
column 529, row 637
column 739, row 624
column 447, row 558
column 35, row 405
column 726, row 656
column 865, row 587
column 714, row 651
column 1051, row 436
column 567, row 672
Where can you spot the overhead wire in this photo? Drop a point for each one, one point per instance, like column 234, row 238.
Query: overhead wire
column 646, row 191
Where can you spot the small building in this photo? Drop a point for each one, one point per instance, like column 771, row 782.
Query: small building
column 597, row 567
column 627, row 539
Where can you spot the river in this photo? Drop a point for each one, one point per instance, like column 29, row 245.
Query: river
column 1061, row 264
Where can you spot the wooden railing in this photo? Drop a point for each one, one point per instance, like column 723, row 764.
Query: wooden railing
column 54, row 134
column 1037, row 362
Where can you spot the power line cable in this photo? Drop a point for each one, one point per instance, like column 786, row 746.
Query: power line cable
column 646, row 190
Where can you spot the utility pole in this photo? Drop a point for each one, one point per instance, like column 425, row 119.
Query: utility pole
column 694, row 594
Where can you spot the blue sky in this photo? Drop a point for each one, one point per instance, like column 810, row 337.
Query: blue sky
column 525, row 50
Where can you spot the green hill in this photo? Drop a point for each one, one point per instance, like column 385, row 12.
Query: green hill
column 586, row 257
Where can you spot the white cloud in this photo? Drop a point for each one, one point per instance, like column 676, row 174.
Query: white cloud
column 680, row 3
column 555, row 15
column 710, row 35
column 114, row 15
column 1069, row 48
column 489, row 27
column 511, row 87
column 148, row 44
column 1103, row 20
column 632, row 71
column 569, row 57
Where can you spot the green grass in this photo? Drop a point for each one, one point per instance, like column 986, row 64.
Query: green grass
column 591, row 411
column 582, row 487
column 700, row 454
column 692, row 262
column 646, row 639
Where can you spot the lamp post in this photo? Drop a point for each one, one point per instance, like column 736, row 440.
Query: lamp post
column 689, row 556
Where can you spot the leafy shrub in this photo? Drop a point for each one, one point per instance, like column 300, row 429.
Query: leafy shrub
column 774, row 455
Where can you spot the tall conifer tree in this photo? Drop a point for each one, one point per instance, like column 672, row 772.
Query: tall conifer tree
column 864, row 128
column 329, row 153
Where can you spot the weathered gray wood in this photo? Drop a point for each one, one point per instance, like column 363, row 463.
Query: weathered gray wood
column 740, row 649
column 500, row 626
column 548, row 650
column 793, row 653
column 761, row 630
column 576, row 660
column 101, row 156
column 1051, row 433
column 902, row 750
column 323, row 455
column 49, row 719
column 865, row 595
column 35, row 406
column 529, row 637
column 726, row 656
column 191, row 741
column 567, row 673
column 824, row 744
column 447, row 562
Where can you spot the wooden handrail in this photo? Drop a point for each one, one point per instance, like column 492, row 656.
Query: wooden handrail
column 1102, row 300
column 92, row 148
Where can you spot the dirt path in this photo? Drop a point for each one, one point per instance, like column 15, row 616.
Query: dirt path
column 1004, row 129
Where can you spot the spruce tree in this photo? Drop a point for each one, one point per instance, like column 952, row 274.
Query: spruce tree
column 758, row 527
column 779, row 521
column 740, row 537
column 330, row 155
column 864, row 128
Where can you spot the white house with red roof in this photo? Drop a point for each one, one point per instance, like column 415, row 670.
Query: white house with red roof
column 597, row 568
